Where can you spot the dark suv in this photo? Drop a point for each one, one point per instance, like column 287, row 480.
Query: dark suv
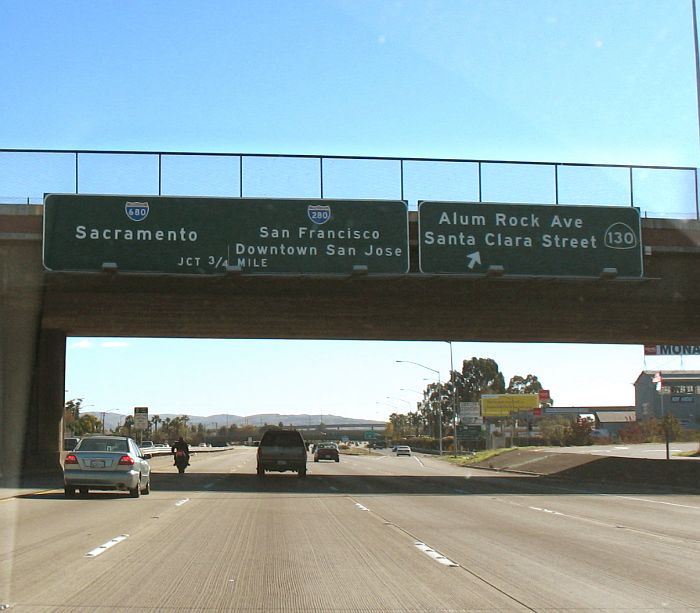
column 282, row 450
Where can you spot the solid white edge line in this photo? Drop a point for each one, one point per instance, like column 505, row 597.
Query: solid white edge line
column 670, row 504
column 102, row 548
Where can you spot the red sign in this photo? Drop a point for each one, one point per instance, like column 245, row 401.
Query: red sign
column 544, row 396
column 537, row 412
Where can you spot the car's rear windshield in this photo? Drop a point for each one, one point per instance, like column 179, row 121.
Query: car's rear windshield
column 282, row 438
column 101, row 444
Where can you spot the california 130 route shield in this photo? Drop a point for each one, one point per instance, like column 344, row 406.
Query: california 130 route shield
column 525, row 239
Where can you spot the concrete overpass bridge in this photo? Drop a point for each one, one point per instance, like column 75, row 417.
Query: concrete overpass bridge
column 39, row 309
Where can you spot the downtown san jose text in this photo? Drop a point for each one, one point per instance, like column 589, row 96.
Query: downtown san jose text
column 318, row 241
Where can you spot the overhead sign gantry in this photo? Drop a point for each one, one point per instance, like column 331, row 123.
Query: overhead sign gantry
column 524, row 239
column 214, row 235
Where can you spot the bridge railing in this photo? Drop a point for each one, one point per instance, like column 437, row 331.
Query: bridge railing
column 658, row 191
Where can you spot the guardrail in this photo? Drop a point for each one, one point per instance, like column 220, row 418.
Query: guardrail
column 658, row 191
column 165, row 451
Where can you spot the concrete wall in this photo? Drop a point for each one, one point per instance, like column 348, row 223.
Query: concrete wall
column 21, row 283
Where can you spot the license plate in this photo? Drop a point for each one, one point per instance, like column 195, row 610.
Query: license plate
column 97, row 464
column 281, row 462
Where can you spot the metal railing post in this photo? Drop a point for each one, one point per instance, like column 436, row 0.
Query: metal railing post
column 479, row 180
column 631, row 188
column 320, row 164
column 240, row 176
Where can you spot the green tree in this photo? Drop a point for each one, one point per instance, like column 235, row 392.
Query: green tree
column 128, row 424
column 399, row 423
column 479, row 376
column 71, row 416
column 578, row 432
column 523, row 385
column 166, row 430
column 436, row 396
column 526, row 385
column 88, row 424
column 155, row 420
column 554, row 430
column 633, row 432
column 415, row 421
column 670, row 427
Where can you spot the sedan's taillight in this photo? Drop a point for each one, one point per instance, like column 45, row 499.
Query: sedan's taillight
column 126, row 460
column 70, row 459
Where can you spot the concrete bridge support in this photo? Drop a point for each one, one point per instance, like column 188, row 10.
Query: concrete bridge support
column 44, row 433
column 21, row 282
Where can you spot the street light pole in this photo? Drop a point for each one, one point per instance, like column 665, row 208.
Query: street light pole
column 454, row 404
column 439, row 403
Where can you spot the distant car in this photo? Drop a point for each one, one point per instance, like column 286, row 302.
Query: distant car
column 106, row 463
column 70, row 442
column 403, row 450
column 146, row 444
column 327, row 451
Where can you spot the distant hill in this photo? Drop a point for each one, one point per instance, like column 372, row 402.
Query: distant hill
column 112, row 420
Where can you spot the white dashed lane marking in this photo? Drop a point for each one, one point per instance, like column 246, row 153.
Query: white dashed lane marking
column 438, row 557
column 102, row 548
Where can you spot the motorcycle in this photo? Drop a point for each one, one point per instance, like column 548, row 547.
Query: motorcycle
column 181, row 461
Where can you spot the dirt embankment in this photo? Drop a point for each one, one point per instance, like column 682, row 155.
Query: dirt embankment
column 582, row 467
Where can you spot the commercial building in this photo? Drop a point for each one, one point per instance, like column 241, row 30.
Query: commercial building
column 660, row 392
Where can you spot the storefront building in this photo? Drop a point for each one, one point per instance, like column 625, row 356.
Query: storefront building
column 661, row 392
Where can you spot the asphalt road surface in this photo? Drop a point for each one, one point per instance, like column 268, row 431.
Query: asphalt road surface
column 373, row 533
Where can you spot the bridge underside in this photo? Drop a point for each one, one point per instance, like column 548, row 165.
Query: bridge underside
column 39, row 309
column 664, row 308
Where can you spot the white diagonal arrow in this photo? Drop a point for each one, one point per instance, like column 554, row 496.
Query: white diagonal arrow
column 474, row 258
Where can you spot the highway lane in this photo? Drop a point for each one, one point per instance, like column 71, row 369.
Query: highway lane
column 364, row 534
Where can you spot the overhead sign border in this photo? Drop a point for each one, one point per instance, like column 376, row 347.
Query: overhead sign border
column 504, row 273
column 360, row 268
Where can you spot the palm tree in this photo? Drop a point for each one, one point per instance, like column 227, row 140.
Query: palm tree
column 155, row 420
column 129, row 423
column 166, row 428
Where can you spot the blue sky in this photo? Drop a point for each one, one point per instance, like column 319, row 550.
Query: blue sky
column 609, row 81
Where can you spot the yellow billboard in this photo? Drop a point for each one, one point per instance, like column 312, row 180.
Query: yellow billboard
column 502, row 405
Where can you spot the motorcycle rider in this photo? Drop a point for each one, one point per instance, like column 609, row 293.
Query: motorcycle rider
column 181, row 445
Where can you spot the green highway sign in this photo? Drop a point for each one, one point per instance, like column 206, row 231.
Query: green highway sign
column 525, row 239
column 370, row 435
column 470, row 433
column 212, row 235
